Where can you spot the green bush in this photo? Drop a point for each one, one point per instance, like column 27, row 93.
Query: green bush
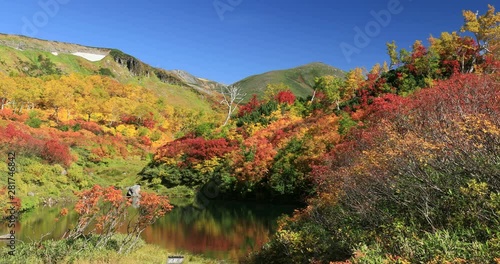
column 142, row 131
column 260, row 115
column 288, row 174
column 105, row 72
column 33, row 120
column 346, row 123
column 204, row 130
column 180, row 191
column 64, row 128
column 76, row 127
column 438, row 247
column 155, row 136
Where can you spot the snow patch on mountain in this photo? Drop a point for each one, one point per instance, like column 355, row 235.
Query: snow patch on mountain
column 89, row 56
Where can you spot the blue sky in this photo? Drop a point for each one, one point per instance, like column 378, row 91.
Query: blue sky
column 227, row 40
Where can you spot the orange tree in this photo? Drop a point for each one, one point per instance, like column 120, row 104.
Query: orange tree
column 103, row 211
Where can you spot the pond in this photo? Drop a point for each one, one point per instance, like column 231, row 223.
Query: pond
column 222, row 230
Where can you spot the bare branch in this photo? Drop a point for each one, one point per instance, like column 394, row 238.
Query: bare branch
column 233, row 96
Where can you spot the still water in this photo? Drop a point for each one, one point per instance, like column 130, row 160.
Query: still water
column 222, row 230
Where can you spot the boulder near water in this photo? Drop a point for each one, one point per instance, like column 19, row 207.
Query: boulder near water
column 134, row 192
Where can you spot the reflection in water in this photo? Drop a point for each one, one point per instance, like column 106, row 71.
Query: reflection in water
column 43, row 222
column 223, row 230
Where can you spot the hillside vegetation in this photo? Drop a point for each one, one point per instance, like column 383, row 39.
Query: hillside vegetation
column 400, row 164
column 72, row 121
column 397, row 165
column 19, row 55
column 416, row 180
column 300, row 80
column 75, row 125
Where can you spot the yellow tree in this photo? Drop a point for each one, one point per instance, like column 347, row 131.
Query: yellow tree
column 117, row 107
column 450, row 47
column 88, row 104
column 393, row 54
column 354, row 80
column 486, row 30
column 385, row 67
column 446, row 45
column 36, row 89
column 57, row 95
column 7, row 86
column 333, row 87
column 376, row 69
column 28, row 93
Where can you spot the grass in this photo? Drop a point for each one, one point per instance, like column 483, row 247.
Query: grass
column 59, row 253
column 176, row 96
column 117, row 172
column 149, row 254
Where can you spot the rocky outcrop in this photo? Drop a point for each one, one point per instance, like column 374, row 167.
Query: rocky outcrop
column 135, row 66
column 168, row 77
column 201, row 85
column 139, row 68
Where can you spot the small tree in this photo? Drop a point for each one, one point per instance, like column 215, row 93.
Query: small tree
column 486, row 29
column 102, row 211
column 233, row 96
column 332, row 87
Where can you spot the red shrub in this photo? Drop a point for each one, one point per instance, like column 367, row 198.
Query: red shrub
column 146, row 121
column 462, row 94
column 388, row 105
column 195, row 150
column 490, row 64
column 249, row 107
column 149, row 123
column 8, row 114
column 91, row 126
column 285, row 97
column 55, row 152
column 19, row 140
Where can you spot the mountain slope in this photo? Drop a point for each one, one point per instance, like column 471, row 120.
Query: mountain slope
column 299, row 79
column 199, row 84
column 18, row 54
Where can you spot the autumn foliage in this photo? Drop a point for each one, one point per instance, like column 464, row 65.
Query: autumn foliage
column 50, row 149
column 103, row 211
column 55, row 152
column 249, row 107
column 285, row 97
column 194, row 150
column 398, row 164
column 416, row 180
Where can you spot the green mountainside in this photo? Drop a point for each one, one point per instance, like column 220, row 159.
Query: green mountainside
column 299, row 79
